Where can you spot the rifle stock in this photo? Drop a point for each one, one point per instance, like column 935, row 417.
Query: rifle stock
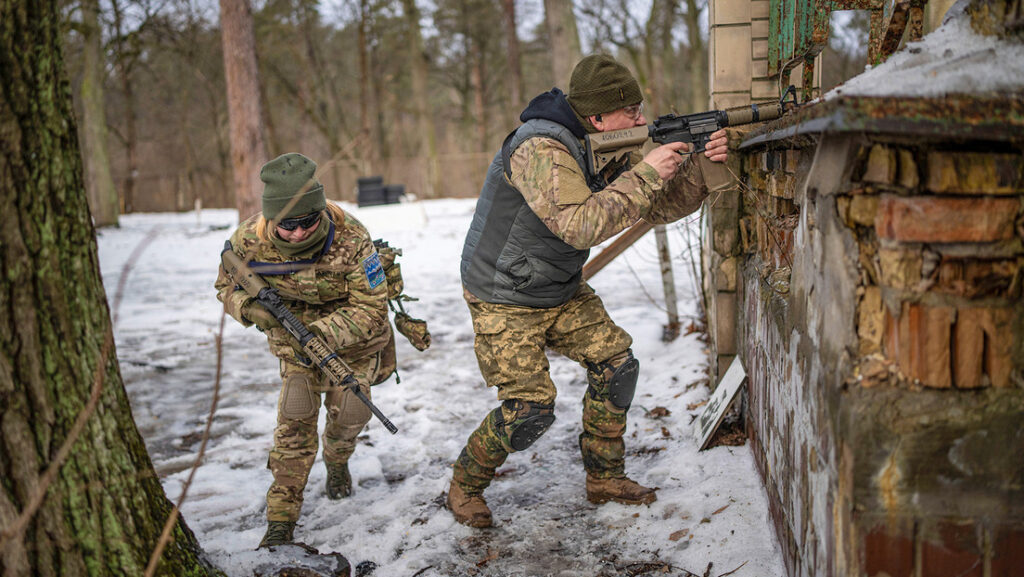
column 339, row 373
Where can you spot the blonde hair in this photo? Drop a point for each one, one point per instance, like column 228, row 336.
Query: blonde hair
column 334, row 213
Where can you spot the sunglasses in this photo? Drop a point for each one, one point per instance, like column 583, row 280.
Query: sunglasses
column 303, row 221
column 633, row 112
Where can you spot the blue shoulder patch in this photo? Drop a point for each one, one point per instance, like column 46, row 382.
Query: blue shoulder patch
column 373, row 270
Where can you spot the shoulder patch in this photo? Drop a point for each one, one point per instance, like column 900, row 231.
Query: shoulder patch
column 373, row 270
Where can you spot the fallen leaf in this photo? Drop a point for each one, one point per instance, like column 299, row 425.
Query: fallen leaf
column 678, row 534
column 658, row 412
column 693, row 406
column 720, row 509
column 665, row 433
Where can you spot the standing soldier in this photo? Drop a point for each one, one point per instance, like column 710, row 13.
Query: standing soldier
column 327, row 272
column 539, row 213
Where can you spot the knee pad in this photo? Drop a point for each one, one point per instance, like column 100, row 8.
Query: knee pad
column 621, row 386
column 298, row 401
column 531, row 420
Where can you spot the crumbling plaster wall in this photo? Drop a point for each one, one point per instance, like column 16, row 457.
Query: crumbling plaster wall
column 888, row 445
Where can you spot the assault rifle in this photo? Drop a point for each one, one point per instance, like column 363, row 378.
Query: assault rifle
column 606, row 147
column 329, row 362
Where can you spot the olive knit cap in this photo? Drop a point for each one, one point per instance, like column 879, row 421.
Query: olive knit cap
column 283, row 178
column 600, row 84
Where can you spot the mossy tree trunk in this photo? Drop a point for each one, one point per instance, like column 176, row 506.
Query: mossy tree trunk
column 104, row 511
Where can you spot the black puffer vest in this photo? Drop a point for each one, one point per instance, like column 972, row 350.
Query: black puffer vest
column 510, row 256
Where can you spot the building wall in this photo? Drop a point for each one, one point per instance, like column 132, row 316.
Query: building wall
column 872, row 283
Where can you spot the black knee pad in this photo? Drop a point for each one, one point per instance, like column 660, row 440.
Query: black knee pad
column 620, row 387
column 531, row 421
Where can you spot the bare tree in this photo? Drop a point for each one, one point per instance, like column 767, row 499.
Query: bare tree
column 79, row 493
column 515, row 72
column 418, row 62
column 126, row 54
column 100, row 185
column 565, row 40
column 245, row 115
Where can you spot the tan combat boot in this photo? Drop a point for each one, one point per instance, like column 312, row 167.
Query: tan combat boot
column 278, row 533
column 339, row 481
column 622, row 490
column 470, row 510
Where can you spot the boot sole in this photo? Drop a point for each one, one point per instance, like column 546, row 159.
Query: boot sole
column 647, row 500
column 471, row 522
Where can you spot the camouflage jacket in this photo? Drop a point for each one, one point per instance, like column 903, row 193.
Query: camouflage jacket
column 552, row 183
column 342, row 295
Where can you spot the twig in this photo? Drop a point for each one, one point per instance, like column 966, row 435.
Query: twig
column 734, row 570
column 172, row 519
column 127, row 269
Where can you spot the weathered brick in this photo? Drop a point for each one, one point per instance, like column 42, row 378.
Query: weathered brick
column 919, row 341
column 870, row 321
column 938, row 219
column 759, row 8
column 1007, row 551
column 974, row 173
column 888, row 550
column 863, row 208
column 881, row 165
column 780, row 185
column 792, row 160
column 908, row 177
column 725, row 320
column 983, row 347
column 900, row 268
column 951, row 548
column 725, row 276
column 731, row 12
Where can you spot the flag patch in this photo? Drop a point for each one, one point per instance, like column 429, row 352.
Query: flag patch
column 373, row 270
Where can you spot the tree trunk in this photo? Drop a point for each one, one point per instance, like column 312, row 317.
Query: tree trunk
column 104, row 511
column 100, row 185
column 364, row 82
column 565, row 40
column 418, row 61
column 245, row 115
column 131, row 142
column 478, row 76
column 700, row 99
column 515, row 72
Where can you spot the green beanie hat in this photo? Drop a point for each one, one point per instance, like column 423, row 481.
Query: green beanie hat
column 283, row 178
column 599, row 84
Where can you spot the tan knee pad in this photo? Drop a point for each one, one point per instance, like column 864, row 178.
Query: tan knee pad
column 298, row 401
column 347, row 410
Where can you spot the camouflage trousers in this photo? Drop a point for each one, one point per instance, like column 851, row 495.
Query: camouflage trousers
column 295, row 437
column 510, row 348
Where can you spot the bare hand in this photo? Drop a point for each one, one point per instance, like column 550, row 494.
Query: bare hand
column 717, row 149
column 667, row 158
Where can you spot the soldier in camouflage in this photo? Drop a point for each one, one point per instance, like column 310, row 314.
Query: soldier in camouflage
column 539, row 213
column 325, row 268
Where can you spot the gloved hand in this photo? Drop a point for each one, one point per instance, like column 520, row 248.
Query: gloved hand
column 254, row 312
column 413, row 329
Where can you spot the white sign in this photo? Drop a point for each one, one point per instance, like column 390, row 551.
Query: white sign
column 719, row 402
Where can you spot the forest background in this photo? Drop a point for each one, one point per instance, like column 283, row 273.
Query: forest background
column 421, row 93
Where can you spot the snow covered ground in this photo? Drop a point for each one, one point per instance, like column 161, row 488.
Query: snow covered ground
column 711, row 506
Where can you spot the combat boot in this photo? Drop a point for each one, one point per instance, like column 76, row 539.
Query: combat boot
column 470, row 510
column 339, row 482
column 278, row 533
column 621, row 490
